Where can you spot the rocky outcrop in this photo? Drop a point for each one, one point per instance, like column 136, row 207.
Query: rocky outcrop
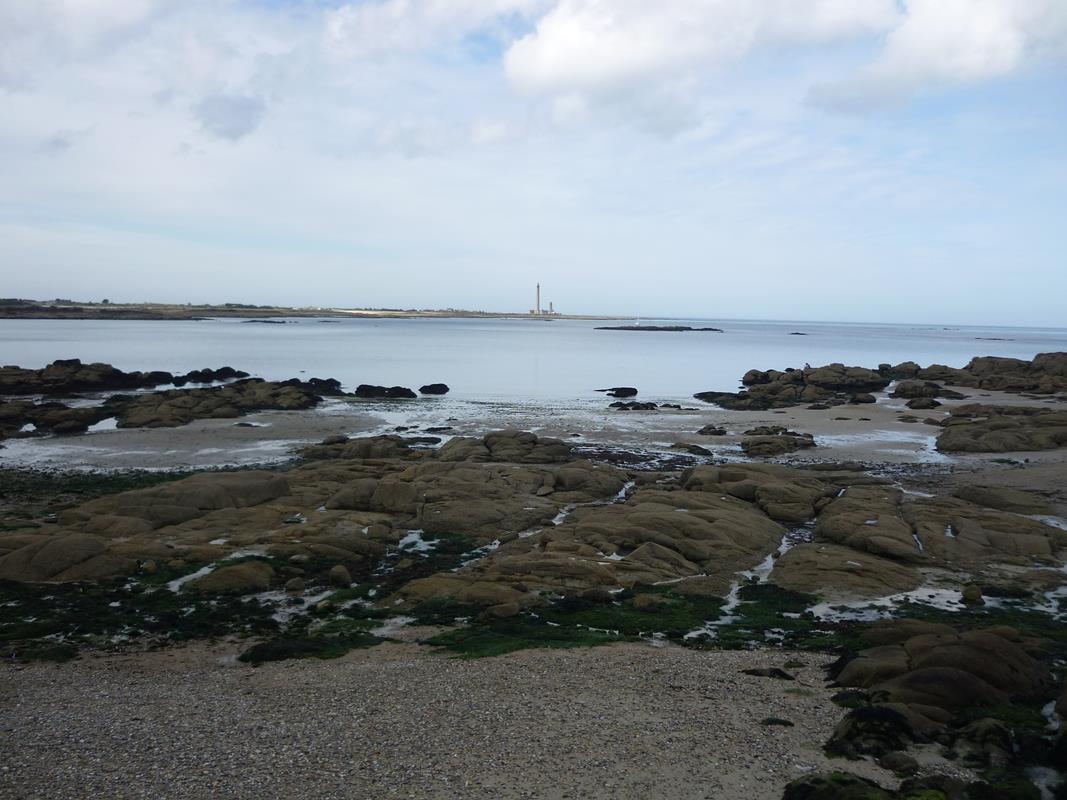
column 774, row 440
column 68, row 376
column 976, row 428
column 182, row 406
column 914, row 390
column 519, row 447
column 1046, row 373
column 620, row 391
column 836, row 571
column 632, row 405
column 833, row 383
column 434, row 389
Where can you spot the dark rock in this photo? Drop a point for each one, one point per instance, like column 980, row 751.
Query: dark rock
column 368, row 391
column 769, row 672
column 620, row 391
column 434, row 389
column 922, row 403
column 834, row 786
column 899, row 762
column 776, row 721
column 633, row 406
column 873, row 731
column 711, row 430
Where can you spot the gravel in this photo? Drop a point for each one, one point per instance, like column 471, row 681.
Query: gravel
column 401, row 721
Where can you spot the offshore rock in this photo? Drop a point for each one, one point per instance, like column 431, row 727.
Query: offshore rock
column 371, row 392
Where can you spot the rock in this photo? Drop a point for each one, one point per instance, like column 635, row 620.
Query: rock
column 834, row 786
column 834, row 383
column 513, row 446
column 863, row 398
column 505, row 610
column 872, row 731
column 369, row 391
column 984, row 743
column 774, row 440
column 837, row 571
column 899, row 763
column 620, row 391
column 295, row 585
column 331, row 440
column 923, row 390
column 234, row 579
column 769, row 672
column 339, row 576
column 633, row 406
column 1003, row 498
column 711, row 430
column 434, row 389
column 972, row 595
column 922, row 403
column 975, row 428
column 776, row 721
column 941, row 673
column 181, row 406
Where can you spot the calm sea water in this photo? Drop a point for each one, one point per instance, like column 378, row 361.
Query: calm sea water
column 508, row 359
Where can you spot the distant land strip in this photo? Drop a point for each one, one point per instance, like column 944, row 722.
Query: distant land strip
column 69, row 309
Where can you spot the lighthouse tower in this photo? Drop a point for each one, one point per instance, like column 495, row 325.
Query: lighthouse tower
column 537, row 308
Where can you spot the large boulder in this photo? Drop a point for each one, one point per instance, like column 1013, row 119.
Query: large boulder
column 834, row 571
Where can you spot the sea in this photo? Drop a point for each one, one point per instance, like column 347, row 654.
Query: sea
column 509, row 360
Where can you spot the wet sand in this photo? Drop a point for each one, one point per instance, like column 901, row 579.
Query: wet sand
column 868, row 433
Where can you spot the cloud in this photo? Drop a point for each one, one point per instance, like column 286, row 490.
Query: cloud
column 601, row 48
column 229, row 116
column 32, row 33
column 940, row 43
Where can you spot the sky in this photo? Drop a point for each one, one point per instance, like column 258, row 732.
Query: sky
column 853, row 160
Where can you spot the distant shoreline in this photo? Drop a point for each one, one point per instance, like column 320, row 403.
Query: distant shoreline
column 194, row 313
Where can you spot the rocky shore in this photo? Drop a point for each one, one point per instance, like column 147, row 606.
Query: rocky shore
column 932, row 596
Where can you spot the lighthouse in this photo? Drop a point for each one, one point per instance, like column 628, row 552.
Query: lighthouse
column 537, row 307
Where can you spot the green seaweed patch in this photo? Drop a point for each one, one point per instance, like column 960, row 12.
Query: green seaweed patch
column 647, row 610
column 442, row 611
column 518, row 633
column 769, row 614
column 106, row 614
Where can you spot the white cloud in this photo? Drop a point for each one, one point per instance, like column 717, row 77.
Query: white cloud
column 944, row 42
column 595, row 46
